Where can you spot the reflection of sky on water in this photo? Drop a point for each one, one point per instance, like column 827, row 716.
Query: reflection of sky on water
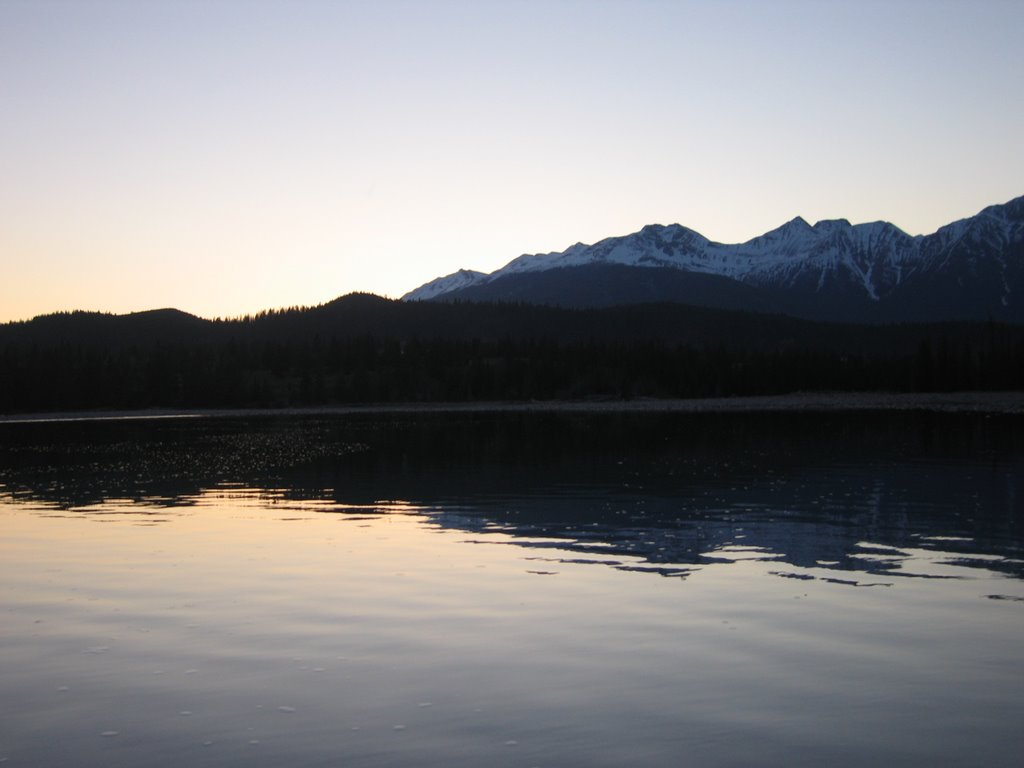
column 508, row 592
column 851, row 499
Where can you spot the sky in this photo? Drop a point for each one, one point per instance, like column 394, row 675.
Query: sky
column 224, row 157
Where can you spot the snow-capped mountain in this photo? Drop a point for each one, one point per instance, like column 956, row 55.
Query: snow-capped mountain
column 442, row 285
column 973, row 268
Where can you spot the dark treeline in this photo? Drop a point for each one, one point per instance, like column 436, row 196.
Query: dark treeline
column 362, row 349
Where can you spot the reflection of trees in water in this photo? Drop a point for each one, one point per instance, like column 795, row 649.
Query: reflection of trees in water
column 870, row 519
column 165, row 463
column 639, row 491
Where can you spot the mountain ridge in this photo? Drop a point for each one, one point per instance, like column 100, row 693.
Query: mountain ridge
column 362, row 348
column 972, row 268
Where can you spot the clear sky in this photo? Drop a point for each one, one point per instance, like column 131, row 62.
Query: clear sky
column 224, row 157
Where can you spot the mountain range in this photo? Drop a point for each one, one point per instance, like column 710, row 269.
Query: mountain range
column 971, row 269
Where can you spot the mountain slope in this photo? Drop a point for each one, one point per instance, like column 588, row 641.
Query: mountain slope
column 834, row 270
column 362, row 348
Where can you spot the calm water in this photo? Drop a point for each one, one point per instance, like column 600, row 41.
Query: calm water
column 513, row 590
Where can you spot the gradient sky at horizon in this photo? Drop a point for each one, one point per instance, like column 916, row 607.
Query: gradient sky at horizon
column 229, row 156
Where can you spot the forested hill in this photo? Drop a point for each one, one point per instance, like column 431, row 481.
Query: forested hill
column 362, row 348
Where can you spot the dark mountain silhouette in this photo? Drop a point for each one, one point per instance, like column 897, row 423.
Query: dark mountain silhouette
column 362, row 348
column 100, row 327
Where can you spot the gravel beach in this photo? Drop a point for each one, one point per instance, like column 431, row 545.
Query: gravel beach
column 803, row 402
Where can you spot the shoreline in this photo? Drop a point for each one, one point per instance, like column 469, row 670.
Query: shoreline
column 1003, row 403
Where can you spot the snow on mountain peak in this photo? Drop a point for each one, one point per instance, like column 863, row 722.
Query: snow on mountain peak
column 796, row 224
column 441, row 285
column 872, row 257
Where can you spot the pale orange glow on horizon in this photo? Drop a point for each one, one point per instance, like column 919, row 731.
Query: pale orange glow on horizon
column 228, row 158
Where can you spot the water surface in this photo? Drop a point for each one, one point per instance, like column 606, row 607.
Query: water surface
column 513, row 590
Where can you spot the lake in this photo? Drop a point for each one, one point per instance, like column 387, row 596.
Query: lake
column 513, row 589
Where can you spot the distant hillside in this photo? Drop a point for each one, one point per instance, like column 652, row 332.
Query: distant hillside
column 972, row 269
column 362, row 348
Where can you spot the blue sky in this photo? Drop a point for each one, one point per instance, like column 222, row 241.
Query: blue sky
column 225, row 157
